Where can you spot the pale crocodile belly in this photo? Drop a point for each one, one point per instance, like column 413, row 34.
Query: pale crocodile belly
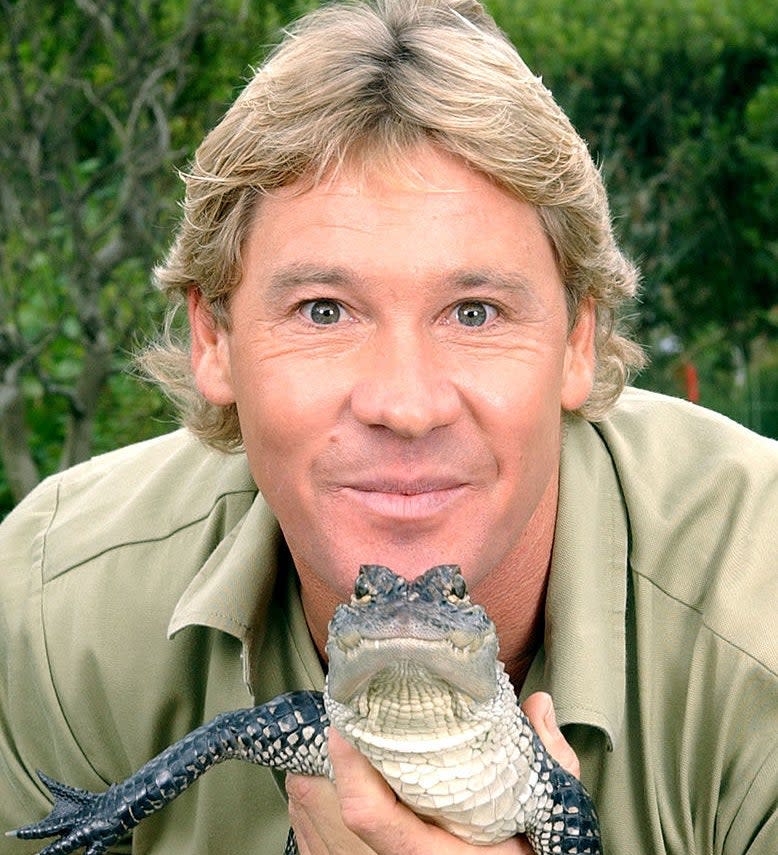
column 480, row 790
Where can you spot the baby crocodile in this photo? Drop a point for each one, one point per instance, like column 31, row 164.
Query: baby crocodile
column 414, row 683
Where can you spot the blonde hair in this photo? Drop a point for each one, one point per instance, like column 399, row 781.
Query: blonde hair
column 369, row 81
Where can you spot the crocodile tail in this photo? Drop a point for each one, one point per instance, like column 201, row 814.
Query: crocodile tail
column 68, row 801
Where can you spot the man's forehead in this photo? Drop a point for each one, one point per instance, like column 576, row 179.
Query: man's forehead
column 409, row 168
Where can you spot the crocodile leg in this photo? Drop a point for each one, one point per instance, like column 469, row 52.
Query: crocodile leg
column 287, row 733
column 568, row 822
column 291, row 844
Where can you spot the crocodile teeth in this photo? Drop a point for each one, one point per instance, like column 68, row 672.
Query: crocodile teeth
column 349, row 640
column 464, row 640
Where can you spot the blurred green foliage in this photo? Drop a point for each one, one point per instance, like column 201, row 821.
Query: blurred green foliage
column 678, row 100
column 101, row 104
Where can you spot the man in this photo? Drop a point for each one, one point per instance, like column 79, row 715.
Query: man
column 401, row 283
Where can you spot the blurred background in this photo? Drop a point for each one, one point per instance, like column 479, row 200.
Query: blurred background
column 101, row 101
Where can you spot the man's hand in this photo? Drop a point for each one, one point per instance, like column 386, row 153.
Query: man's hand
column 361, row 815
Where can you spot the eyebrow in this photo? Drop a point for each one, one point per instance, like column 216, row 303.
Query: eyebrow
column 509, row 281
column 306, row 273
column 310, row 273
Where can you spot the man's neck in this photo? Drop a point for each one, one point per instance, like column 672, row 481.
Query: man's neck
column 514, row 598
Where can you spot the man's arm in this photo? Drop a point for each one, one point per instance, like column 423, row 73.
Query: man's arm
column 32, row 730
column 360, row 815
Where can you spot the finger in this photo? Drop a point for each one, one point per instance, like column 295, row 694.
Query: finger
column 539, row 709
column 305, row 795
column 373, row 812
column 368, row 805
column 314, row 814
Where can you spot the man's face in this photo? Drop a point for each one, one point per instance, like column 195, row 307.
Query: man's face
column 399, row 355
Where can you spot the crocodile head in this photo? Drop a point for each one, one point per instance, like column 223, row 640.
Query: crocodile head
column 415, row 685
column 398, row 633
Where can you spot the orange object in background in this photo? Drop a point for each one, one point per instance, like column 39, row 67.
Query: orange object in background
column 691, row 382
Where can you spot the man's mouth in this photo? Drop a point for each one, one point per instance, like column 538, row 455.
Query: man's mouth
column 415, row 499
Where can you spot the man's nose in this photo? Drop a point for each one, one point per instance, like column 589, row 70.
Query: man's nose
column 405, row 384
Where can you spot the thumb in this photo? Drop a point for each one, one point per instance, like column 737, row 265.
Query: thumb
column 539, row 709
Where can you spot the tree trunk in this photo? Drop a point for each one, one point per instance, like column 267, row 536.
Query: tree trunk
column 20, row 469
column 95, row 370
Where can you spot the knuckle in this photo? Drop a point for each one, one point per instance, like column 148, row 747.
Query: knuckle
column 359, row 817
column 300, row 789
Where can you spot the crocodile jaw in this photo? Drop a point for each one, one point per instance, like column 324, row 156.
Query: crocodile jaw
column 469, row 671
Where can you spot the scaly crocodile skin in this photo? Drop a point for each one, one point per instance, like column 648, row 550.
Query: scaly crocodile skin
column 415, row 684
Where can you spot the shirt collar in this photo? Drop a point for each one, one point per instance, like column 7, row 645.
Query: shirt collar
column 583, row 659
column 232, row 591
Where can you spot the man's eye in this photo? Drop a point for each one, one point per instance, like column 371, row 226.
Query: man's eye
column 474, row 314
column 322, row 312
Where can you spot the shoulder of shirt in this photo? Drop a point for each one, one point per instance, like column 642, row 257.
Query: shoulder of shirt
column 660, row 443
column 701, row 494
column 143, row 492
column 640, row 412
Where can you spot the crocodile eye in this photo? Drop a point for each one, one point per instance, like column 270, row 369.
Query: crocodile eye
column 458, row 587
column 362, row 587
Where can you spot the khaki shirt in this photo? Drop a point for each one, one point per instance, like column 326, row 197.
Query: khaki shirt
column 149, row 589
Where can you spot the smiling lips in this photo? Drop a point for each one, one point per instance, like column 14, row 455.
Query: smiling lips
column 405, row 500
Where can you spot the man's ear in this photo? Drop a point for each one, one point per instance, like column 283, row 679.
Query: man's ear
column 210, row 352
column 580, row 358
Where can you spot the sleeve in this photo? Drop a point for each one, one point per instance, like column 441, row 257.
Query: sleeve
column 27, row 736
column 34, row 733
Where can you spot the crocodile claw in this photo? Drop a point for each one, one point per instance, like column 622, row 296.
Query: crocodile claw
column 288, row 732
column 75, row 818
